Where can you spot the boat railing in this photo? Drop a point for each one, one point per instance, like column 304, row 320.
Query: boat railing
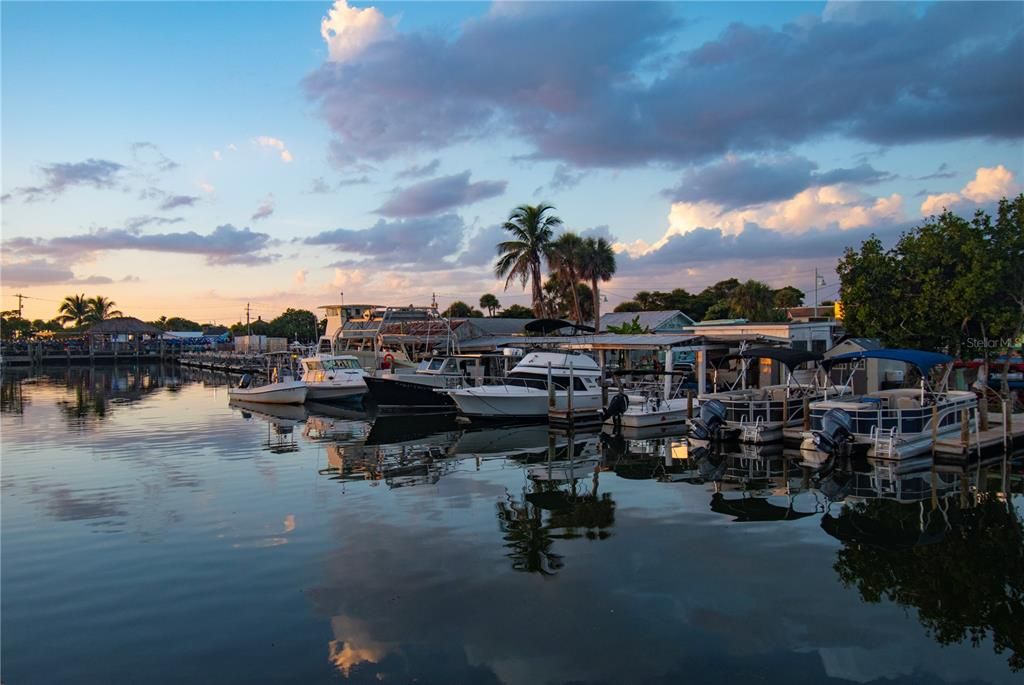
column 876, row 419
column 745, row 410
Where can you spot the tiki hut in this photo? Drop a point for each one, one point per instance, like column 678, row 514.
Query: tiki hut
column 124, row 332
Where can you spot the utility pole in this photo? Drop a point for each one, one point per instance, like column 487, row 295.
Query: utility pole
column 818, row 279
column 248, row 325
column 433, row 300
column 20, row 298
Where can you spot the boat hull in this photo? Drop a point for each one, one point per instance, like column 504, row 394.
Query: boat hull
column 327, row 392
column 272, row 393
column 497, row 402
column 392, row 393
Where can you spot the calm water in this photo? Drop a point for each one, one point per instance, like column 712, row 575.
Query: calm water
column 152, row 533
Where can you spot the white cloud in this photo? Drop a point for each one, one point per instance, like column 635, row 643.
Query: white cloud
column 345, row 278
column 300, row 277
column 276, row 144
column 206, row 187
column 216, row 155
column 348, row 31
column 988, row 185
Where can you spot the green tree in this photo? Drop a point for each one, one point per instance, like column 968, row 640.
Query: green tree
column 517, row 311
column 490, row 303
column 628, row 306
column 74, row 308
column 532, row 228
column 562, row 299
column 102, row 308
column 565, row 260
column 753, row 300
column 13, row 326
column 177, row 323
column 631, row 328
column 461, row 310
column 295, row 324
column 598, row 265
column 711, row 296
column 788, row 297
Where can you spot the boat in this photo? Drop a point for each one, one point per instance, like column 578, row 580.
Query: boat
column 280, row 388
column 648, row 402
column 333, row 377
column 758, row 415
column 395, row 390
column 890, row 424
column 528, row 391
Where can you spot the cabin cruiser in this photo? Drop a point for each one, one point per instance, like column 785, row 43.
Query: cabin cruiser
column 758, row 415
column 333, row 377
column 526, row 392
column 889, row 424
column 416, row 389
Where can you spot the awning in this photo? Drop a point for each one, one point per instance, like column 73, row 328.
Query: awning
column 921, row 359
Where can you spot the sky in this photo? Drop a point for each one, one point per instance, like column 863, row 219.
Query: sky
column 186, row 159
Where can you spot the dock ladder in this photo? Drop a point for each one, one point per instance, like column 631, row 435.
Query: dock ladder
column 749, row 432
column 884, row 440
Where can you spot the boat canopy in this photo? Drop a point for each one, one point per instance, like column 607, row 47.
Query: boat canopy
column 789, row 357
column 546, row 326
column 921, row 359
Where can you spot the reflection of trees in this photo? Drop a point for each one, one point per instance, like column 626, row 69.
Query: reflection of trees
column 966, row 579
column 92, row 389
column 571, row 515
column 12, row 399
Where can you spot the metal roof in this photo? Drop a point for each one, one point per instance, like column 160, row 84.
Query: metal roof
column 650, row 320
column 614, row 341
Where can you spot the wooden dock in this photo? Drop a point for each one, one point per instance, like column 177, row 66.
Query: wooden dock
column 993, row 437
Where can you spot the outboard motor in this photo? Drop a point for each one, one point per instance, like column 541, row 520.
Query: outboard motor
column 617, row 406
column 712, row 417
column 245, row 381
column 836, row 431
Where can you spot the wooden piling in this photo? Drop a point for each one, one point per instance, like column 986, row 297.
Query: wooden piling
column 965, row 429
column 983, row 412
column 807, row 414
column 689, row 404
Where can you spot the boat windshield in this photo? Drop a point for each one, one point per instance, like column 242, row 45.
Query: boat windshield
column 341, row 364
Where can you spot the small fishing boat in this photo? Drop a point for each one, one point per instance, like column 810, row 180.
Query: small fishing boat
column 281, row 388
column 648, row 402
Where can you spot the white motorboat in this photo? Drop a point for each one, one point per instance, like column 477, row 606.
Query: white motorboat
column 527, row 391
column 333, row 377
column 289, row 391
column 648, row 402
column 281, row 386
column 758, row 415
column 890, row 424
column 405, row 390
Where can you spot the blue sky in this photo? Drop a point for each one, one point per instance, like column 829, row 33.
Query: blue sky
column 185, row 158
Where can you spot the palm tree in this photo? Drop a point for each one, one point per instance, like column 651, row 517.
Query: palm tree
column 532, row 229
column 74, row 308
column 490, row 303
column 598, row 264
column 101, row 308
column 565, row 258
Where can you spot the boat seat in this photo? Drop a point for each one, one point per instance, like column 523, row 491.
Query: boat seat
column 907, row 403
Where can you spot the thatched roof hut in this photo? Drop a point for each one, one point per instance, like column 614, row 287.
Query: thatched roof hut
column 123, row 325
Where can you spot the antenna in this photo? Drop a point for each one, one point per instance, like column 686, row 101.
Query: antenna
column 248, row 325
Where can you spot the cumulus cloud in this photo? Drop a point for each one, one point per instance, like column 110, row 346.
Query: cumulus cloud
column 420, row 171
column 944, row 71
column 564, row 177
column 176, row 201
column 276, row 144
column 224, row 245
column 136, row 222
column 349, row 31
column 988, row 185
column 57, row 178
column 265, row 209
column 424, row 242
column 438, row 195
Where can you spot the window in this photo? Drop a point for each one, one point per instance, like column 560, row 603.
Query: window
column 800, row 345
column 818, row 345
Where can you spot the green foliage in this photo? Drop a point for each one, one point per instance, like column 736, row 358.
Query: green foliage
column 597, row 265
column 565, row 257
column 177, row 323
column 754, row 301
column 101, row 308
column 490, row 303
column 532, row 229
column 945, row 281
column 631, row 328
column 516, row 311
column 461, row 310
column 562, row 301
column 13, row 326
column 74, row 309
column 628, row 305
column 295, row 324
column 788, row 297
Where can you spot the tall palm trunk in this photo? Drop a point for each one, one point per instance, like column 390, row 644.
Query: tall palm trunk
column 597, row 304
column 538, row 292
column 576, row 298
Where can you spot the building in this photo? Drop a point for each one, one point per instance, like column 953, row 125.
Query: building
column 664, row 321
column 814, row 336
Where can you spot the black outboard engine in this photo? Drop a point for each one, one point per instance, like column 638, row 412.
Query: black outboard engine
column 245, row 381
column 712, row 417
column 836, row 432
column 617, row 406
